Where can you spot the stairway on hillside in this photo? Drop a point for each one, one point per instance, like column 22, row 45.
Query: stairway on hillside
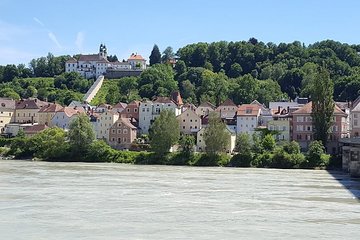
column 90, row 94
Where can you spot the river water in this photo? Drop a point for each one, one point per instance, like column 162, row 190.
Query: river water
column 41, row 200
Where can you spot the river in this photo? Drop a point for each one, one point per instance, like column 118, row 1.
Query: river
column 42, row 200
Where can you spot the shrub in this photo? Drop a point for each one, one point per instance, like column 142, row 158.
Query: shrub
column 316, row 156
column 262, row 160
column 212, row 160
column 282, row 159
column 5, row 141
column 241, row 160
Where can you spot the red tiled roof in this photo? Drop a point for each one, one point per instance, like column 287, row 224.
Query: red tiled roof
column 35, row 129
column 163, row 100
column 176, row 97
column 136, row 57
column 228, row 102
column 125, row 121
column 91, row 57
column 29, row 104
column 207, row 104
column 248, row 110
column 307, row 109
column 51, row 107
column 69, row 111
column 120, row 105
column 71, row 60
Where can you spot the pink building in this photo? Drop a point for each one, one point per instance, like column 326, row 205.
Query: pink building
column 302, row 128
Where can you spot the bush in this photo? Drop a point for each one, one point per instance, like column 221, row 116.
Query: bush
column 282, row 159
column 211, row 160
column 262, row 160
column 5, row 141
column 316, row 156
column 4, row 151
column 241, row 160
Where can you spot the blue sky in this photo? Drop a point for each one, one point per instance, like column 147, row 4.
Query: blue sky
column 30, row 29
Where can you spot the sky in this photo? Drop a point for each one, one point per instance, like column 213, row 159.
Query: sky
column 31, row 29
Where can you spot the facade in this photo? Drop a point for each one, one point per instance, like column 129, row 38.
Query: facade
column 26, row 110
column 122, row 133
column 200, row 143
column 281, row 124
column 227, row 109
column 204, row 109
column 12, row 129
column 7, row 110
column 355, row 119
column 302, row 128
column 189, row 121
column 351, row 156
column 136, row 61
column 103, row 108
column 47, row 112
column 247, row 118
column 131, row 110
column 149, row 110
column 104, row 122
column 64, row 116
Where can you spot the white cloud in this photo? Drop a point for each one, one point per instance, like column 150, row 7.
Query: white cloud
column 38, row 21
column 79, row 42
column 54, row 39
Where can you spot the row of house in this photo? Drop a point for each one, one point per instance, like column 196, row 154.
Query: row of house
column 94, row 65
column 121, row 124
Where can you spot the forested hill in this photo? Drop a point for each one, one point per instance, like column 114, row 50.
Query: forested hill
column 242, row 71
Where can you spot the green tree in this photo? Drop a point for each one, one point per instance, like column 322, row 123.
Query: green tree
column 155, row 56
column 316, row 156
column 187, row 143
column 322, row 104
column 10, row 72
column 9, row 93
column 128, row 86
column 80, row 135
column 268, row 143
column 168, row 54
column 216, row 135
column 50, row 144
column 243, row 143
column 164, row 132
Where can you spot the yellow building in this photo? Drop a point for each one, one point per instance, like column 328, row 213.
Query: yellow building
column 47, row 112
column 281, row 124
column 104, row 122
column 7, row 109
column 26, row 110
column 189, row 121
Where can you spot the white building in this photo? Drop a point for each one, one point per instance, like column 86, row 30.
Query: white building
column 247, row 119
column 204, row 109
column 149, row 110
column 64, row 116
column 94, row 65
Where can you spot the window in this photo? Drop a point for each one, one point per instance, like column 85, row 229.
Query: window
column 148, row 109
column 299, row 119
column 355, row 122
column 143, row 109
column 308, row 128
column 248, row 111
column 183, row 120
column 124, row 140
column 128, row 110
column 284, row 128
column 190, row 120
column 119, row 140
column 195, row 127
column 135, row 109
column 119, row 131
column 183, row 127
column 125, row 131
column 113, row 130
column 355, row 115
column 113, row 139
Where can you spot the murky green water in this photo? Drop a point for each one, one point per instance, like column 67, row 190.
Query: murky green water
column 40, row 200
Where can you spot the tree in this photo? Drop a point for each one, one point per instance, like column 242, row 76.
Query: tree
column 322, row 104
column 268, row 143
column 10, row 72
column 168, row 54
column 81, row 135
column 164, row 132
column 216, row 136
column 155, row 56
column 316, row 156
column 127, row 86
column 243, row 143
column 9, row 93
column 187, row 143
column 50, row 144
